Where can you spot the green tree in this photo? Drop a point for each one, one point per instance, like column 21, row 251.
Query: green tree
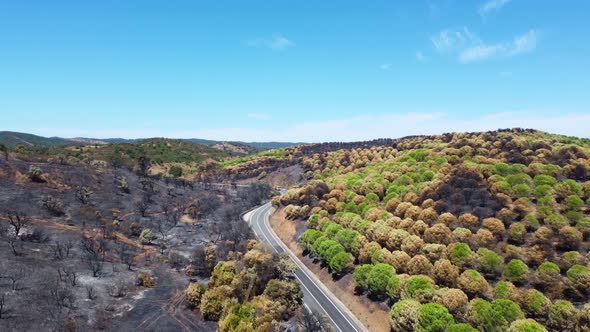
column 175, row 171
column 240, row 318
column 341, row 263
column 378, row 278
column 461, row 255
column 404, row 315
column 194, row 292
column 360, row 276
column 515, row 270
column 433, row 317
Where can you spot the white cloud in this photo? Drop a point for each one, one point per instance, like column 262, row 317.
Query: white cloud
column 367, row 127
column 492, row 5
column 469, row 47
column 385, row 67
column 259, row 116
column 421, row 57
column 448, row 40
column 276, row 42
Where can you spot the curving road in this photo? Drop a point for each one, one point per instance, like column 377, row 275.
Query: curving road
column 316, row 296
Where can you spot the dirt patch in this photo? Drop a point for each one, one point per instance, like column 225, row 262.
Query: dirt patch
column 372, row 315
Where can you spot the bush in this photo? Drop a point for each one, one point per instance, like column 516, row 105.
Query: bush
column 517, row 233
column 562, row 316
column 548, row 272
column 452, row 298
column 194, row 292
column 146, row 236
column 175, row 171
column 404, row 315
column 341, row 263
column 445, row 272
column 377, row 279
column 212, row 302
column 505, row 290
column 418, row 287
column 474, row 284
column 461, row 328
column 460, row 254
column 394, row 287
column 515, row 271
column 570, row 238
column 579, row 277
column 360, row 275
column 145, row 280
column 433, row 317
column 490, row 262
column 35, row 173
column 536, row 304
column 419, row 265
column 526, row 325
column 507, row 309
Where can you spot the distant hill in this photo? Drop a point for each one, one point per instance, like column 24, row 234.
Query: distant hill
column 13, row 139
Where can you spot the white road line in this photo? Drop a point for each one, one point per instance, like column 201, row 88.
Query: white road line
column 299, row 263
column 300, row 281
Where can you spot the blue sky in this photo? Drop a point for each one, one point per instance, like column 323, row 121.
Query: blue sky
column 293, row 70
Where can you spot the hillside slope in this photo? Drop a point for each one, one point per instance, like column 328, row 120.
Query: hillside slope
column 474, row 228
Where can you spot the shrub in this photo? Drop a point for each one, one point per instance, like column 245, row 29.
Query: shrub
column 194, row 292
column 445, row 272
column 583, row 319
column 461, row 328
column 377, row 279
column 435, row 252
column 35, row 173
column 460, row 254
column 145, row 280
column 412, row 245
column 490, row 262
column 433, row 317
column 526, row 325
column 507, row 309
column 146, row 236
column 212, row 302
column 474, row 284
column 556, row 221
column 536, row 304
column 522, row 190
column 468, row 220
column 543, row 179
column 517, row 233
column 419, row 265
column 452, row 298
column 574, row 203
column 394, row 287
column 570, row 259
column 404, row 315
column 515, row 271
column 548, row 271
column 579, row 278
column 494, row 225
column 570, row 238
column 341, row 263
column 399, row 260
column 562, row 316
column 360, row 275
column 175, row 171
column 418, row 287
column 505, row 290
column 439, row 233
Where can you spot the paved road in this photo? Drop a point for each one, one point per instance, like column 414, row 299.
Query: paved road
column 315, row 295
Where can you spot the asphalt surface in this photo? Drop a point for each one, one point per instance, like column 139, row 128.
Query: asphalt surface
column 316, row 296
